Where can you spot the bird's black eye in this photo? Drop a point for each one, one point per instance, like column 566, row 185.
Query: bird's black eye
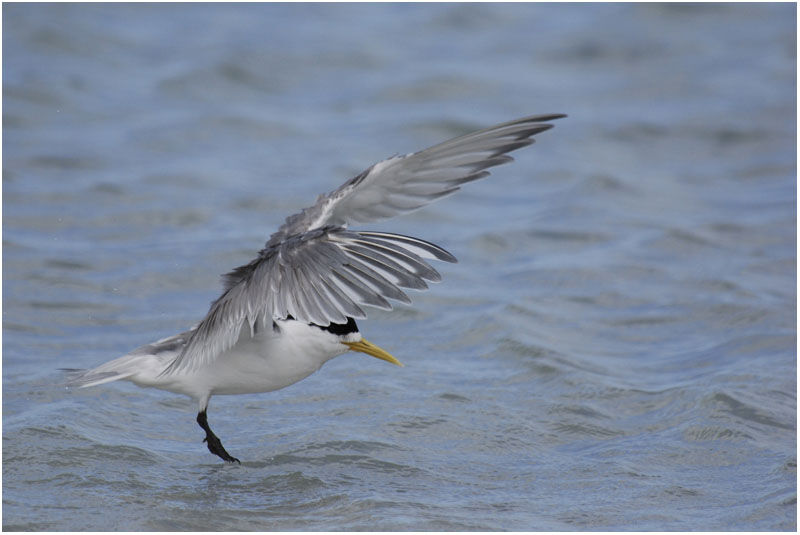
column 341, row 329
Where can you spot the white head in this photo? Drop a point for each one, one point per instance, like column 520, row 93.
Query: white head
column 332, row 340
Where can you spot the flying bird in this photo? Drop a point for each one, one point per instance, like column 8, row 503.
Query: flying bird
column 293, row 308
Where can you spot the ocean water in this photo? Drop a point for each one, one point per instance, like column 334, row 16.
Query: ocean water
column 615, row 350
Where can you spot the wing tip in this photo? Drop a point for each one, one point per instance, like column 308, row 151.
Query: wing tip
column 546, row 117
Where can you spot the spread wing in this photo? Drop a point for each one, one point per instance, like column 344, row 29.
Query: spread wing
column 316, row 270
column 403, row 183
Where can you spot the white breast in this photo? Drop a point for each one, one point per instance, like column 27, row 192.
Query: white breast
column 269, row 360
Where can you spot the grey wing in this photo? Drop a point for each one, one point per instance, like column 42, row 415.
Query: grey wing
column 320, row 277
column 403, row 183
column 317, row 271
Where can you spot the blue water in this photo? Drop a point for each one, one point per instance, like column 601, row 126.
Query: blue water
column 615, row 350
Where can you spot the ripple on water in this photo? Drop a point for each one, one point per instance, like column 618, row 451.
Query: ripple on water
column 616, row 349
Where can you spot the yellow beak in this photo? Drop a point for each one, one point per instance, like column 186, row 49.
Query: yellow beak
column 372, row 350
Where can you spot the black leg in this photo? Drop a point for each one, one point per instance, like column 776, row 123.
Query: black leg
column 214, row 444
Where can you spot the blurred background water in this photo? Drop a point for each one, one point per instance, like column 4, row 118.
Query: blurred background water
column 614, row 351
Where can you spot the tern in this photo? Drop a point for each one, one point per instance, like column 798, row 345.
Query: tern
column 293, row 308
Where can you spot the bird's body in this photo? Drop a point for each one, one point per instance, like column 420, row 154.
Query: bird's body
column 267, row 360
column 291, row 309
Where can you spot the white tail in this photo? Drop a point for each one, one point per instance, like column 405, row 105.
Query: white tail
column 142, row 366
column 120, row 368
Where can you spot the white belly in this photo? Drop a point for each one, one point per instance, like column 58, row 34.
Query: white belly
column 268, row 361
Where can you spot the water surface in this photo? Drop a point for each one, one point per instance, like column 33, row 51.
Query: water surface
column 614, row 351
